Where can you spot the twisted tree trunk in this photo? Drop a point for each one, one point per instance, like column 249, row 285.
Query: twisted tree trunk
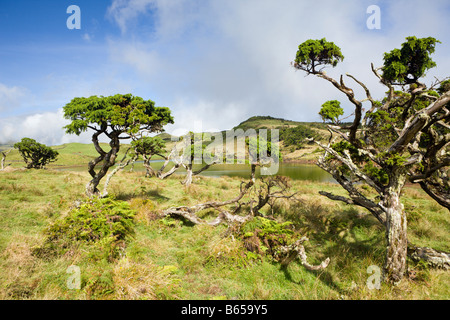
column 4, row 158
column 396, row 238
column 109, row 159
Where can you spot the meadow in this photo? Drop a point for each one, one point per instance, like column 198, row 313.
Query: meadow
column 170, row 258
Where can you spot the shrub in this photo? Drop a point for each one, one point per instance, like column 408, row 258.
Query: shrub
column 264, row 236
column 35, row 154
column 297, row 137
column 103, row 224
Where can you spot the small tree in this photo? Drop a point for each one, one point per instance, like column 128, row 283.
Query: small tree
column 117, row 117
column 35, row 154
column 403, row 136
column 147, row 147
column 331, row 111
column 255, row 145
column 194, row 146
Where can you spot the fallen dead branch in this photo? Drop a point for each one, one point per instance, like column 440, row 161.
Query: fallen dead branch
column 265, row 193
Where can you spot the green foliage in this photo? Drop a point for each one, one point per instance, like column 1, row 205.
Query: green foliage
column 408, row 64
column 122, row 113
column 341, row 146
column 99, row 285
column 444, row 86
column 381, row 127
column 104, row 224
column 376, row 173
column 330, row 111
column 392, row 159
column 296, row 136
column 149, row 146
column 35, row 154
column 264, row 236
column 313, row 53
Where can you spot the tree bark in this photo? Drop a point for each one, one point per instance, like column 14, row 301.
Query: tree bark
column 253, row 175
column 4, row 158
column 109, row 159
column 396, row 238
column 149, row 171
column 188, row 180
column 287, row 254
column 436, row 259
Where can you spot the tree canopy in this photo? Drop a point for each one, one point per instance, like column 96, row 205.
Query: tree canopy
column 36, row 155
column 119, row 114
column 314, row 53
column 331, row 111
column 409, row 63
column 118, row 117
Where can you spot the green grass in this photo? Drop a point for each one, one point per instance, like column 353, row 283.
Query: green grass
column 171, row 259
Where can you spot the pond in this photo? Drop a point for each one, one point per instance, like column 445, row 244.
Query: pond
column 295, row 171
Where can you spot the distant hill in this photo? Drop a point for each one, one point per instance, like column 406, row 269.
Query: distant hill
column 268, row 122
column 295, row 136
column 265, row 122
column 165, row 136
column 294, row 144
column 6, row 146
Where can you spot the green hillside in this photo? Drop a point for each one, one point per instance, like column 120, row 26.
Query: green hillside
column 295, row 143
column 265, row 122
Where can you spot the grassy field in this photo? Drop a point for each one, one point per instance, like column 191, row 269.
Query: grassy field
column 168, row 258
column 171, row 259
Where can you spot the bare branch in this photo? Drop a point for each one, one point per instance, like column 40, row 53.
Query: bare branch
column 387, row 84
column 287, row 254
column 351, row 166
column 417, row 122
column 351, row 97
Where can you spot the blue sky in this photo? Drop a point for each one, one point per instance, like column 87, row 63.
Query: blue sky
column 213, row 62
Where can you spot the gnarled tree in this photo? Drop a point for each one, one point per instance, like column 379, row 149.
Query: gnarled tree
column 403, row 136
column 36, row 155
column 147, row 147
column 251, row 199
column 189, row 150
column 117, row 117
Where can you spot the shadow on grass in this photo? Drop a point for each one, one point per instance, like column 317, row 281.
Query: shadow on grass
column 347, row 238
column 324, row 276
column 153, row 195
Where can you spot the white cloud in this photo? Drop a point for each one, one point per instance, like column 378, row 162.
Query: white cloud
column 124, row 11
column 87, row 37
column 237, row 53
column 11, row 97
column 45, row 128
column 220, row 62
